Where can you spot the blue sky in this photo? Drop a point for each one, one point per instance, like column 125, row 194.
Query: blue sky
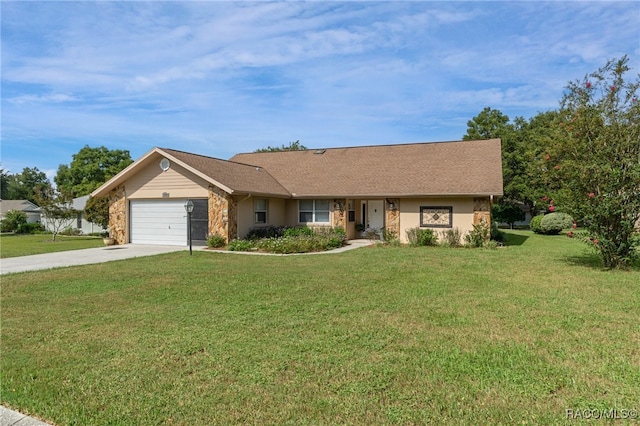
column 218, row 78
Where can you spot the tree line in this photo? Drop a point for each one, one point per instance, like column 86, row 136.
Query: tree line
column 582, row 159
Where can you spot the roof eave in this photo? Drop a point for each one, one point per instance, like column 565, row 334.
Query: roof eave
column 121, row 177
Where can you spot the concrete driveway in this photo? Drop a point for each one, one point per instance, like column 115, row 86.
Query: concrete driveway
column 83, row 257
column 127, row 251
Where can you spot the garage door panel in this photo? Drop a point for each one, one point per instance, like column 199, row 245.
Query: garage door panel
column 158, row 222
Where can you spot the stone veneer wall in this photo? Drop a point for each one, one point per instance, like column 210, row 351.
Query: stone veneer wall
column 118, row 215
column 392, row 217
column 223, row 213
column 338, row 219
column 482, row 210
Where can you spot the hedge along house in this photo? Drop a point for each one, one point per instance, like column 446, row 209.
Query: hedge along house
column 439, row 185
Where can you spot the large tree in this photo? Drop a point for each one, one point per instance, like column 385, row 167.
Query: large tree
column 597, row 160
column 4, row 184
column 22, row 186
column 90, row 168
column 491, row 123
column 488, row 124
column 524, row 143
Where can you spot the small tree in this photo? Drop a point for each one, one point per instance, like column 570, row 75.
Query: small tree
column 97, row 211
column 508, row 213
column 56, row 208
column 597, row 160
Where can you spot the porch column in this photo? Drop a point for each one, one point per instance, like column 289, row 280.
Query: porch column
column 339, row 208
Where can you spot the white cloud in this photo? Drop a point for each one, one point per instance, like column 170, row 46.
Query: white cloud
column 219, row 77
column 37, row 99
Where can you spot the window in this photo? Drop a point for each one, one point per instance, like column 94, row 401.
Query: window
column 352, row 212
column 436, row 217
column 315, row 211
column 260, row 211
column 79, row 221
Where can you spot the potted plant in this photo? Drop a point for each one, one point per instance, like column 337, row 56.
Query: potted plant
column 107, row 240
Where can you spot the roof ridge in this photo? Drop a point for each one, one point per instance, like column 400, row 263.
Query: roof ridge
column 368, row 146
column 210, row 158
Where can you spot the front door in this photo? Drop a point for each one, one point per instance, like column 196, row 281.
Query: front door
column 375, row 214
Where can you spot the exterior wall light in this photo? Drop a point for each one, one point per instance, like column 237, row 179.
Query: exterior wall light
column 188, row 206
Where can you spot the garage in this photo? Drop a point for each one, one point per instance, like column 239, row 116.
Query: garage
column 158, row 222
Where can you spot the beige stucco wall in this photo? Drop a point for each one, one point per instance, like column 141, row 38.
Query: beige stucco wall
column 410, row 214
column 275, row 214
column 177, row 182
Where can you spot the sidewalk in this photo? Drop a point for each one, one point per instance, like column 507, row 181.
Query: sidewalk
column 10, row 418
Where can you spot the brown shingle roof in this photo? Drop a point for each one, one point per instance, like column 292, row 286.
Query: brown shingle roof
column 238, row 177
column 439, row 168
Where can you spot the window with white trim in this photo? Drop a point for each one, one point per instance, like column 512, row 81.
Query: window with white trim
column 313, row 211
column 260, row 211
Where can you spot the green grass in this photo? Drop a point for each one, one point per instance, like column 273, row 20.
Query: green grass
column 378, row 335
column 14, row 245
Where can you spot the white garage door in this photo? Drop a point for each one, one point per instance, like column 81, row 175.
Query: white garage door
column 158, row 222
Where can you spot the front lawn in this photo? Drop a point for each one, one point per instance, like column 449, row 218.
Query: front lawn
column 14, row 245
column 379, row 335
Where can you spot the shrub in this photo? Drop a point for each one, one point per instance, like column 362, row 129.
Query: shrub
column 372, row 233
column 297, row 231
column 421, row 237
column 554, row 223
column 12, row 221
column 479, row 235
column 534, row 225
column 241, row 245
column 29, row 228
column 216, row 241
column 497, row 234
column 321, row 239
column 451, row 237
column 70, row 231
column 390, row 237
column 265, row 232
column 336, row 237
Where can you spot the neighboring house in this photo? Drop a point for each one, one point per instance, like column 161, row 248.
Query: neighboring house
column 31, row 210
column 79, row 222
column 439, row 185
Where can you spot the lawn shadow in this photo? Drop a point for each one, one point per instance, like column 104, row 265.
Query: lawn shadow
column 515, row 239
column 586, row 259
column 593, row 261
